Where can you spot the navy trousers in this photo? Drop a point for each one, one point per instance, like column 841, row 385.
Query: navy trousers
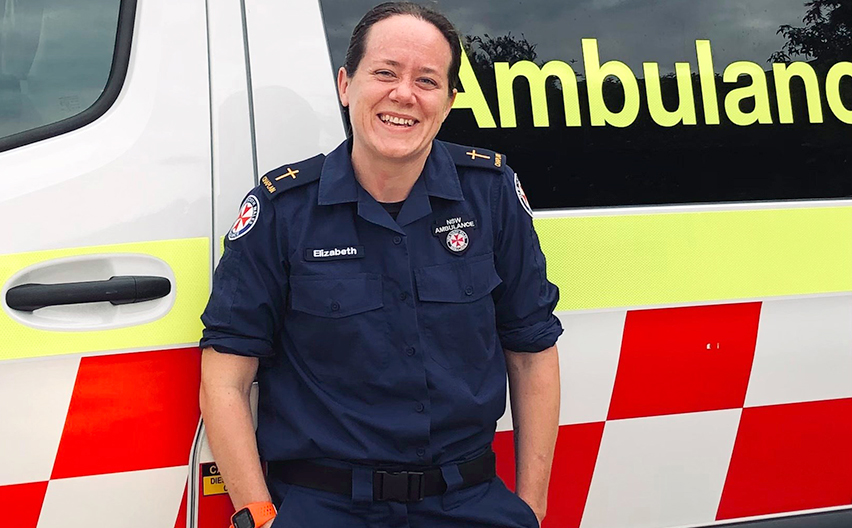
column 489, row 504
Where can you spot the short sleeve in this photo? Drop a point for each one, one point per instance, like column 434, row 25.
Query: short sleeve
column 250, row 284
column 525, row 300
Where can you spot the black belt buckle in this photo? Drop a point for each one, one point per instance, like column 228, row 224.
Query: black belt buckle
column 399, row 486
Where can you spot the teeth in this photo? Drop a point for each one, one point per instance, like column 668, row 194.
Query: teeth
column 396, row 120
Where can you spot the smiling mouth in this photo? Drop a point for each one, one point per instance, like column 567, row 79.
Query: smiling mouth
column 397, row 121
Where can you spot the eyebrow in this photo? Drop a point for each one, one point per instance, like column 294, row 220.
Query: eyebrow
column 424, row 69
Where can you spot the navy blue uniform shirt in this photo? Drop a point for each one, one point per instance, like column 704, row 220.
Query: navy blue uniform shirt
column 382, row 340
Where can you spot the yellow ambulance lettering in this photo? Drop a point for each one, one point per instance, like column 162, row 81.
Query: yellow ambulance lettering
column 596, row 74
column 685, row 112
column 505, row 77
column 743, row 105
column 707, row 78
column 472, row 98
column 783, row 74
column 756, row 90
column 832, row 90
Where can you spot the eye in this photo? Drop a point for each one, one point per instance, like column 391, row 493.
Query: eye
column 384, row 74
column 428, row 82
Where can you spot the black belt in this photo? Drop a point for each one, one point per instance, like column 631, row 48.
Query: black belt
column 388, row 485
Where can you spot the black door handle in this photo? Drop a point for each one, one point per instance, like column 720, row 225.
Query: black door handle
column 117, row 290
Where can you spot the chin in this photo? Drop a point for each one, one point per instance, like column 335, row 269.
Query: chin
column 400, row 152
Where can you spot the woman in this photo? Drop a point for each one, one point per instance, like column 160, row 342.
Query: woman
column 380, row 295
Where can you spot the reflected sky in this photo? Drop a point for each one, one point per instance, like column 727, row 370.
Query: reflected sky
column 55, row 58
column 632, row 31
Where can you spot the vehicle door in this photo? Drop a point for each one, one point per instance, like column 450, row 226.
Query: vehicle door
column 272, row 103
column 105, row 257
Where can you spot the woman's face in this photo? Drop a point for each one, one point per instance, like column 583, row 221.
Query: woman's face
column 398, row 97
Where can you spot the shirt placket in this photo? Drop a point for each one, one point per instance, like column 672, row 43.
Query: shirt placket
column 408, row 366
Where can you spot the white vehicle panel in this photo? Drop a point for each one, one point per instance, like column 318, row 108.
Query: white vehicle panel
column 803, row 351
column 234, row 172
column 34, row 399
column 132, row 191
column 115, row 498
column 296, row 113
column 661, row 471
column 141, row 171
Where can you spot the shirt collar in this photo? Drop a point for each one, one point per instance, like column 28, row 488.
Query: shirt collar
column 338, row 184
column 337, row 179
column 440, row 175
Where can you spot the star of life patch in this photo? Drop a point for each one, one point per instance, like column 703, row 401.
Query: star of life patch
column 457, row 240
column 249, row 212
column 522, row 196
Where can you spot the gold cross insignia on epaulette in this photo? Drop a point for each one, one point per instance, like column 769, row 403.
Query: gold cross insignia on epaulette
column 290, row 172
column 473, row 155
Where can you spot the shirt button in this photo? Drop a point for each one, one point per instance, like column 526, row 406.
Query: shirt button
column 421, row 452
column 335, row 306
column 419, row 407
column 410, row 351
column 468, row 291
column 397, row 240
column 403, row 296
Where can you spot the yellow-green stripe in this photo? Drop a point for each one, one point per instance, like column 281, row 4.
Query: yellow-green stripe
column 676, row 258
column 189, row 260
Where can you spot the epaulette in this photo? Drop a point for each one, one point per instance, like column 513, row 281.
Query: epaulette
column 476, row 157
column 293, row 175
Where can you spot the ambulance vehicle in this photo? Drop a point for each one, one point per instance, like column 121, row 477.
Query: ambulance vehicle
column 689, row 167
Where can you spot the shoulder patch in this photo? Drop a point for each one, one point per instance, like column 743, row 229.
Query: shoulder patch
column 293, row 175
column 522, row 196
column 249, row 211
column 476, row 157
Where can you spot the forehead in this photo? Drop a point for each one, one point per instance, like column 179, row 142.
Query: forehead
column 408, row 41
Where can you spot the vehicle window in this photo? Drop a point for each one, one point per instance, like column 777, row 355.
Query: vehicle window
column 55, row 59
column 616, row 102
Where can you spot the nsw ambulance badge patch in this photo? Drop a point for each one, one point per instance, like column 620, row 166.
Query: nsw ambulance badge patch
column 522, row 196
column 247, row 218
column 452, row 231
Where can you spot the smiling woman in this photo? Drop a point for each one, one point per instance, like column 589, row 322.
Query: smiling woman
column 398, row 95
column 384, row 243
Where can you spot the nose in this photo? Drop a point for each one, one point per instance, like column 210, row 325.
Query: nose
column 403, row 93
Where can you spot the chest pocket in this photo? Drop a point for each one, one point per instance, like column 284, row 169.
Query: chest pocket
column 336, row 297
column 337, row 325
column 457, row 312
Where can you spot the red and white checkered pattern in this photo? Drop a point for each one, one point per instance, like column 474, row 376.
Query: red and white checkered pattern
column 670, row 417
column 102, row 438
column 688, row 416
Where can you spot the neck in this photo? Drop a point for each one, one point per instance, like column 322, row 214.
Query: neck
column 387, row 180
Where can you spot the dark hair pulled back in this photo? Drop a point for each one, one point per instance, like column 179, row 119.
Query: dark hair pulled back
column 358, row 42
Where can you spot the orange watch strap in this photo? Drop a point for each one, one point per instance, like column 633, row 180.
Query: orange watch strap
column 261, row 512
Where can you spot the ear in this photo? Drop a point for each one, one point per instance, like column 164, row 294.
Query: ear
column 450, row 101
column 343, row 86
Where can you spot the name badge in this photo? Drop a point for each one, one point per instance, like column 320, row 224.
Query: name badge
column 337, row 253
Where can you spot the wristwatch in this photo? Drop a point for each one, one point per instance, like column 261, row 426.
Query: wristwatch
column 253, row 515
